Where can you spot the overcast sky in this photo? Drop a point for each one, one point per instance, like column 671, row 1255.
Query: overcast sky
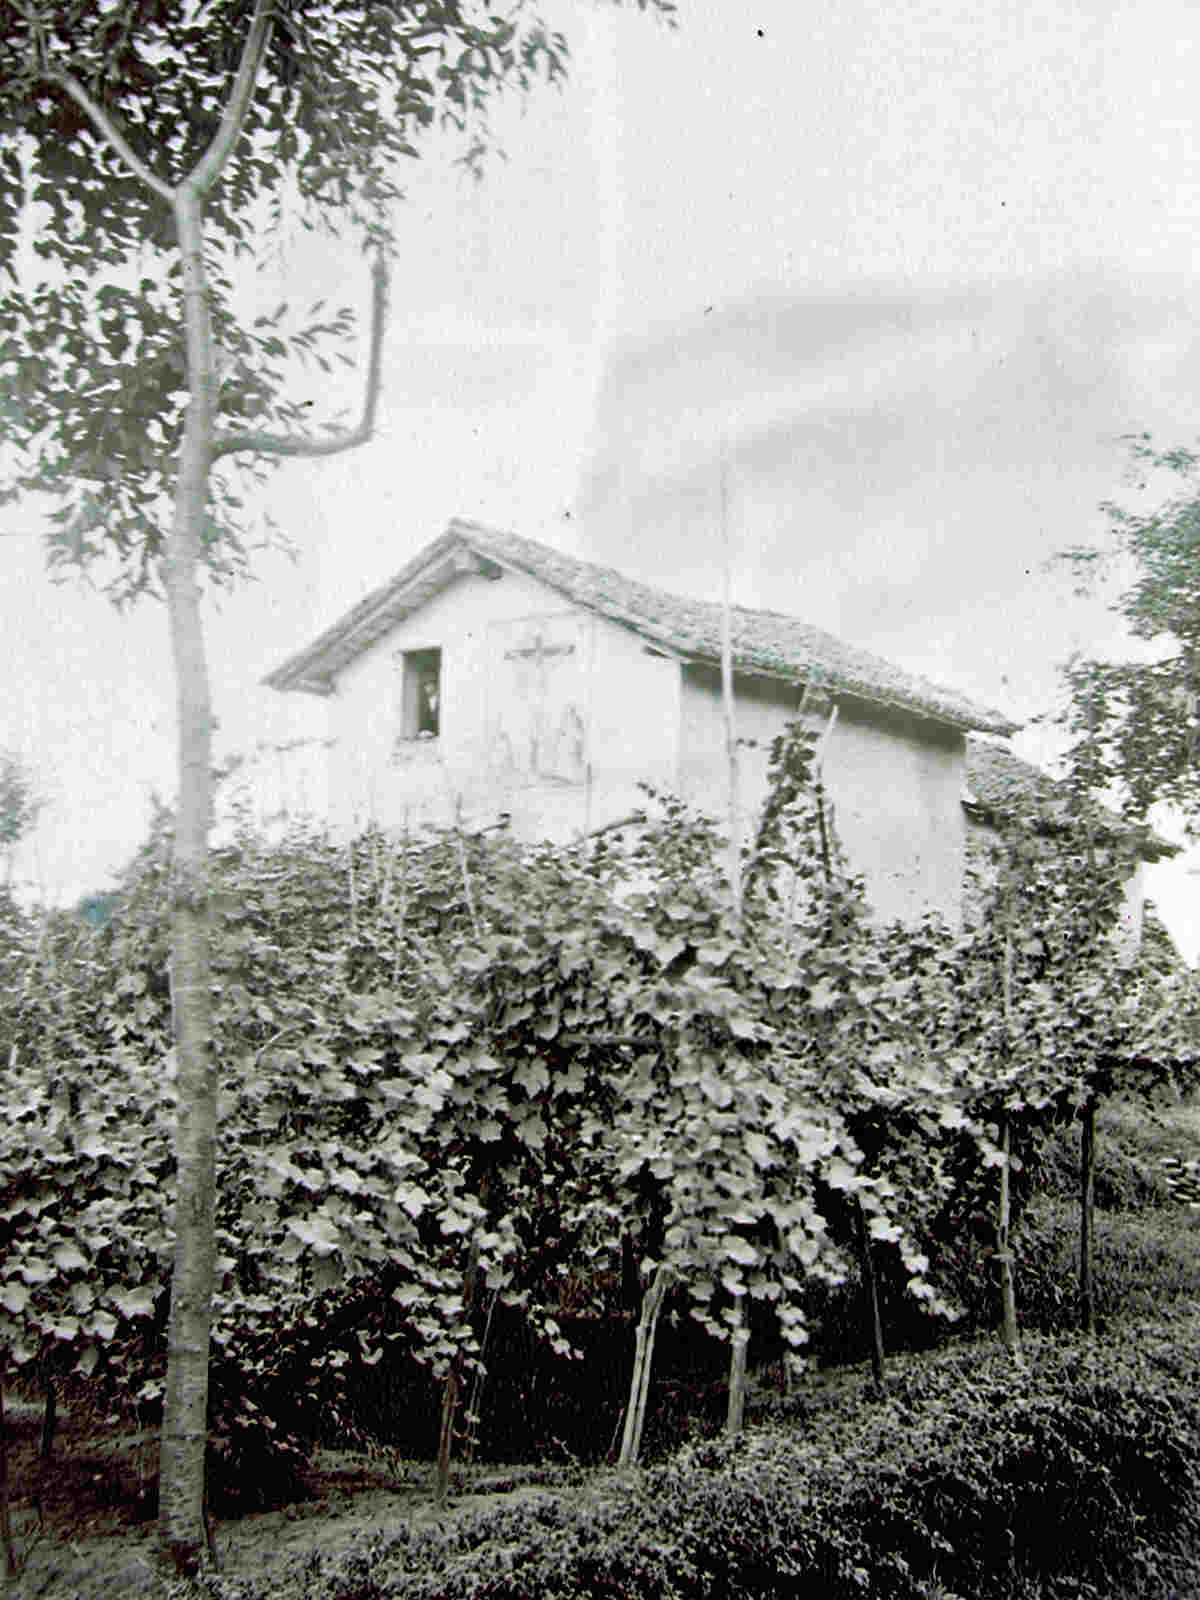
column 909, row 271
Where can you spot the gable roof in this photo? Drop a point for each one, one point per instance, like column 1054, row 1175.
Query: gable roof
column 997, row 783
column 765, row 643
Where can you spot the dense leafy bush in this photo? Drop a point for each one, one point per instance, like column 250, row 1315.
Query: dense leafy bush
column 966, row 1475
column 456, row 1072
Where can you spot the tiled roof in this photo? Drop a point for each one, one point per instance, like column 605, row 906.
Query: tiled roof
column 764, row 642
column 999, row 782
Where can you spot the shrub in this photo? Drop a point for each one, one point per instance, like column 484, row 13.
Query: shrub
column 1072, row 1476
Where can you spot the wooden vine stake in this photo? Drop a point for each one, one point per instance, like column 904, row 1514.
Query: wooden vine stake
column 453, row 1385
column 11, row 1565
column 635, row 1416
column 1008, row 1299
column 1087, row 1132
column 740, row 1344
column 727, row 701
column 1087, row 1197
column 866, row 1259
column 738, row 1351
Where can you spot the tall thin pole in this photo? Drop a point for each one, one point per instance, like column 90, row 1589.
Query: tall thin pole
column 1008, row 1299
column 741, row 1333
column 731, row 751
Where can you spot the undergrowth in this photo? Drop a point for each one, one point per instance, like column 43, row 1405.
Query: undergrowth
column 1073, row 1475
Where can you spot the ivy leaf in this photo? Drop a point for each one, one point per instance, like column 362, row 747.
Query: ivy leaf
column 758, row 1150
column 318, row 1232
column 532, row 1077
column 840, row 1174
column 103, row 1325
column 14, row 1297
column 67, row 1258
column 432, row 1093
column 716, row 1090
column 135, row 1302
column 412, row 1197
column 666, row 950
column 823, row 994
column 714, row 953
column 531, row 1131
column 740, row 1250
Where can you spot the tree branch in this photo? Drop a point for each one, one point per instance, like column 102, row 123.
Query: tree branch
column 208, row 169
column 210, row 165
column 270, row 444
column 109, row 131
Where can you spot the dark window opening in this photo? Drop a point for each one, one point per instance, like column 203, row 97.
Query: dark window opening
column 422, row 694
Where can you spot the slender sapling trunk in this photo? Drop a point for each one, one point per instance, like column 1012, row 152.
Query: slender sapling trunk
column 185, row 1409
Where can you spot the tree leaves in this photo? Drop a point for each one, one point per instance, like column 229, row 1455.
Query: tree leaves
column 319, row 1232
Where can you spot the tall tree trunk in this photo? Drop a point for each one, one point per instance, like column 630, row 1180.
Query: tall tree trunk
column 185, row 1411
column 635, row 1416
column 1087, row 1170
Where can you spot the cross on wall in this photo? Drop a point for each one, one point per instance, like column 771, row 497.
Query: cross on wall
column 542, row 739
column 539, row 651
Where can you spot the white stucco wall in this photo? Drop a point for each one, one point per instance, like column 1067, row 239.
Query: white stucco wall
column 548, row 713
column 895, row 784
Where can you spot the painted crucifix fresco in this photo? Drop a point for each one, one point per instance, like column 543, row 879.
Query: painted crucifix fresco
column 537, row 711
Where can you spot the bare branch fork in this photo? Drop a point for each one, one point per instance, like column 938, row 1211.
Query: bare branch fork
column 208, row 169
column 297, row 445
column 193, row 187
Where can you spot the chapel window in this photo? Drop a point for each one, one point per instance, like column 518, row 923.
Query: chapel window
column 421, row 694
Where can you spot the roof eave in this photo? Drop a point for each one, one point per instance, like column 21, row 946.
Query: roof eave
column 314, row 669
column 749, row 668
column 469, row 546
column 1151, row 847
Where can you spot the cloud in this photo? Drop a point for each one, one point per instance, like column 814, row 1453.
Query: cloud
column 881, row 439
